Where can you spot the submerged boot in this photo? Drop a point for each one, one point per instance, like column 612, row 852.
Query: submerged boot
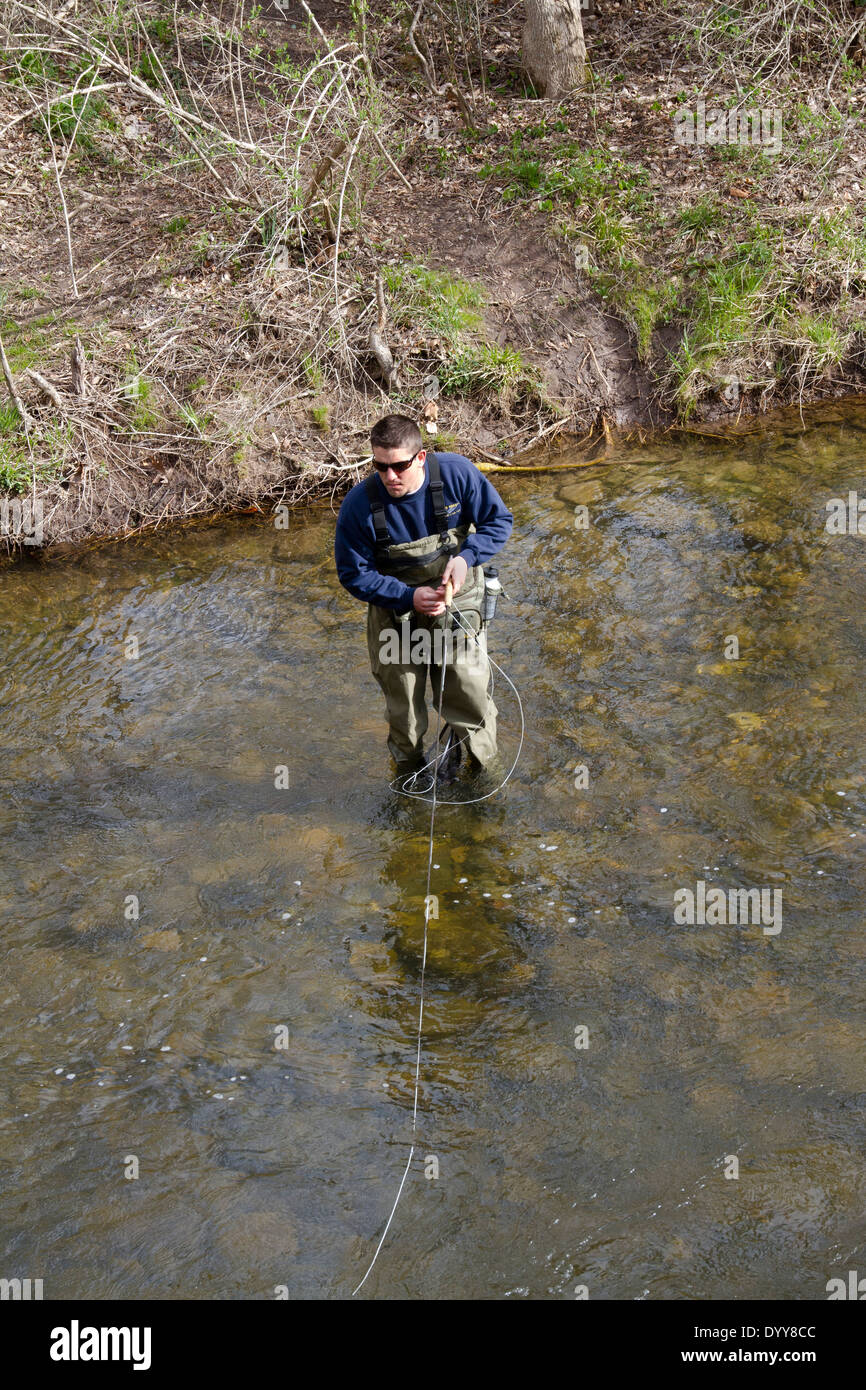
column 408, row 771
column 448, row 754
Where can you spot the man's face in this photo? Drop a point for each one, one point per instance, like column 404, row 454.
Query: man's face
column 401, row 484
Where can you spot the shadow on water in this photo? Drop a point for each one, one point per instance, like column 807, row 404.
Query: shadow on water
column 219, row 975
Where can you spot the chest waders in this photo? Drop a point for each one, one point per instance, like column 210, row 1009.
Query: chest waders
column 403, row 647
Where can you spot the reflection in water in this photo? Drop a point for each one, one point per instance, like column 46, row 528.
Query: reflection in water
column 167, row 909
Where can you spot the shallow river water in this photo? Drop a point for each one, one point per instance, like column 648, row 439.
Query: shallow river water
column 213, row 982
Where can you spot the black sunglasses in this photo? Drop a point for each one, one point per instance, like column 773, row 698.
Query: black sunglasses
column 397, row 467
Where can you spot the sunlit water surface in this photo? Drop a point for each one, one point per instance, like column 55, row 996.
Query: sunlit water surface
column 154, row 1037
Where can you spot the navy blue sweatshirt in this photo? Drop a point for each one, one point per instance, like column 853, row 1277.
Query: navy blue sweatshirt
column 469, row 498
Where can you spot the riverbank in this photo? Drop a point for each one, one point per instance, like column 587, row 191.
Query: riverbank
column 194, row 226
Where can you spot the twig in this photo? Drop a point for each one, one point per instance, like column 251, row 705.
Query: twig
column 398, row 172
column 80, row 117
column 45, row 387
column 410, row 39
column 79, row 380
column 16, row 399
column 173, row 108
column 537, row 467
column 59, row 183
column 340, row 223
column 603, row 382
column 52, row 101
column 305, row 6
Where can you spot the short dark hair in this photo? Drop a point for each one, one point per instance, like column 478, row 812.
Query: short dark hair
column 396, row 432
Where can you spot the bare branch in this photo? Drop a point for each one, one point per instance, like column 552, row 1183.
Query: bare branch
column 45, row 387
column 13, row 392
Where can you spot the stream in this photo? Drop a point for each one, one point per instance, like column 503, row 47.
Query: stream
column 210, row 982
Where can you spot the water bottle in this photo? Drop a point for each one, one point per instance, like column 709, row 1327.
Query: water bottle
column 492, row 590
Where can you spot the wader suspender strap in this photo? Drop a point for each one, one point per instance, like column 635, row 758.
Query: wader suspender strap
column 377, row 511
column 437, row 495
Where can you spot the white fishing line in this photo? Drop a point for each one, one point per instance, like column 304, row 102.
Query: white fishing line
column 434, row 801
column 421, row 795
column 421, row 999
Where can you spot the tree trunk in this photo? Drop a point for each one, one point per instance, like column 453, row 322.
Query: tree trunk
column 554, row 50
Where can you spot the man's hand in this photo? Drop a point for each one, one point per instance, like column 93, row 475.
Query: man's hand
column 456, row 570
column 429, row 601
column 432, row 601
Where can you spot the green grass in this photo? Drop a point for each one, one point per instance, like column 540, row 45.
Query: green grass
column 568, row 174
column 645, row 305
column 144, row 419
column 839, row 248
column 159, row 29
column 313, row 373
column 751, row 300
column 750, row 305
column 15, row 471
column 199, row 422
column 76, row 118
column 822, row 342
column 34, row 70
column 17, row 465
column 73, row 119
column 601, row 201
column 487, row 367
column 448, row 307
column 723, row 276
column 445, row 304
column 202, row 248
column 10, row 420
column 737, row 294
column 702, row 215
column 445, row 160
column 26, row 344
column 138, row 390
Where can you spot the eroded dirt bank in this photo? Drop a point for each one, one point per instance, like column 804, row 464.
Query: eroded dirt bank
column 190, row 289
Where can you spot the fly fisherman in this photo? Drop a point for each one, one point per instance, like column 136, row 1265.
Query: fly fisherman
column 421, row 520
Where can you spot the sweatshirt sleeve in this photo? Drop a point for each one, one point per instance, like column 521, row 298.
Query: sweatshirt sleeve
column 356, row 564
column 493, row 521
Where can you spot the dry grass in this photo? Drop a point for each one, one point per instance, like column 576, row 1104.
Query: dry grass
column 204, row 206
column 249, row 298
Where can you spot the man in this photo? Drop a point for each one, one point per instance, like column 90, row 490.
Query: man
column 419, row 521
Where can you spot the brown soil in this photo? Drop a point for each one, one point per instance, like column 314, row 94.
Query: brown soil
column 586, row 357
column 141, row 291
